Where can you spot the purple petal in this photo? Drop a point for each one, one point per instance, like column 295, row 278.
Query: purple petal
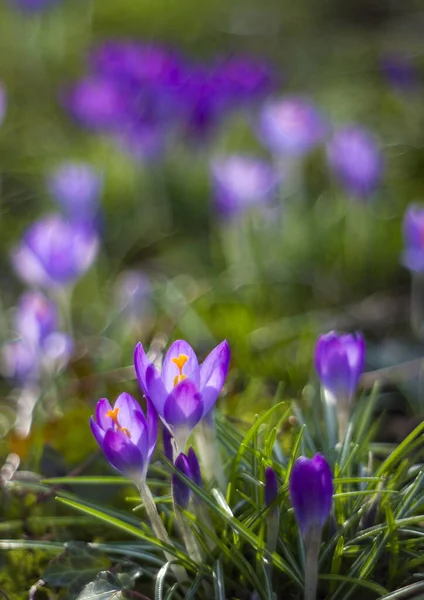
column 180, row 492
column 127, row 406
column 170, row 369
column 311, row 491
column 123, row 455
column 184, row 407
column 152, row 426
column 167, row 445
column 98, row 432
column 156, row 390
column 103, row 406
column 271, row 486
column 141, row 364
column 196, row 475
column 140, row 436
column 213, row 372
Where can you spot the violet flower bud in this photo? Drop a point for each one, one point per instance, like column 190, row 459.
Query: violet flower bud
column 167, row 445
column 184, row 392
column 356, row 160
column 126, row 436
column 311, row 492
column 339, row 362
column 413, row 234
column 242, row 182
column 180, row 492
column 194, row 467
column 55, row 252
column 76, row 187
column 291, row 125
column 271, row 486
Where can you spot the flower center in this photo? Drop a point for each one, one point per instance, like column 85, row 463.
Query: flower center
column 113, row 414
column 180, row 361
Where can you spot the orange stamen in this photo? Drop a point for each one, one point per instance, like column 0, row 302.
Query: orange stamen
column 113, row 414
column 180, row 361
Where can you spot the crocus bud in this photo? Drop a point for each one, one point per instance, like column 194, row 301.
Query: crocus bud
column 180, row 492
column 194, row 467
column 355, row 158
column 311, row 492
column 241, row 183
column 291, row 126
column 271, row 486
column 413, row 234
column 76, row 187
column 339, row 361
column 167, row 443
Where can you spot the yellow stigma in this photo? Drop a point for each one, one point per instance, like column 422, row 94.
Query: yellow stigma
column 113, row 414
column 180, row 361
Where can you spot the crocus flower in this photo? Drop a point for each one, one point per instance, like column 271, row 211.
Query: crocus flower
column 271, row 486
column 291, row 126
column 196, row 474
column 3, row 103
column 241, row 182
column 339, row 361
column 413, row 233
column 76, row 187
column 183, row 392
column 356, row 160
column 20, row 362
column 311, row 492
column 55, row 252
column 245, row 79
column 180, row 492
column 36, row 317
column 126, row 436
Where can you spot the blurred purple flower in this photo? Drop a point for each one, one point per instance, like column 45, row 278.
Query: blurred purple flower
column 193, row 461
column 241, row 182
column 413, row 234
column 3, row 103
column 143, row 141
column 126, row 436
column 99, row 103
column 292, row 125
column 56, row 351
column 20, row 361
column 33, row 6
column 181, row 493
column 271, row 486
column 245, row 79
column 355, row 158
column 36, row 317
column 167, row 443
column 184, row 392
column 311, row 492
column 55, row 252
column 399, row 71
column 339, row 362
column 76, row 187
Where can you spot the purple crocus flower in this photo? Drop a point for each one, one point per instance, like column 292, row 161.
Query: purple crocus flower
column 196, row 474
column 126, row 436
column 356, row 160
column 339, row 361
column 271, row 486
column 181, row 493
column 241, row 182
column 3, row 103
column 99, row 103
column 311, row 492
column 413, row 233
column 20, row 361
column 36, row 317
column 291, row 126
column 245, row 79
column 184, row 392
column 55, row 252
column 76, row 186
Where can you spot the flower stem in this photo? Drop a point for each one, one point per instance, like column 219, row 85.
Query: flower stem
column 209, row 453
column 159, row 528
column 312, row 544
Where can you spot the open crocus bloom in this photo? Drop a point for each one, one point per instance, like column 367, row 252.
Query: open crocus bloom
column 125, row 435
column 184, row 392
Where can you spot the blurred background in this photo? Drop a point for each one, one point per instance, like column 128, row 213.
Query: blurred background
column 226, row 170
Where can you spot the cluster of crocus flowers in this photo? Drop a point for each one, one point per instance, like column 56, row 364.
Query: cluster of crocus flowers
column 41, row 346
column 55, row 252
column 183, row 392
column 355, row 158
column 339, row 362
column 141, row 93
